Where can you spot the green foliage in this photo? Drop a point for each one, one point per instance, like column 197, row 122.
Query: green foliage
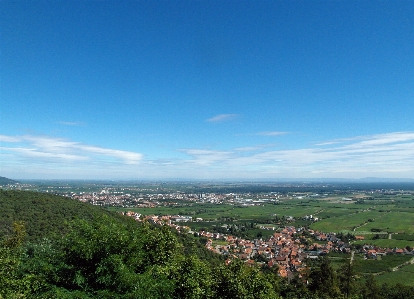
column 12, row 284
column 104, row 254
column 159, row 245
column 347, row 279
column 16, row 239
column 238, row 281
column 323, row 280
column 192, row 278
column 396, row 292
column 371, row 290
column 43, row 214
column 295, row 288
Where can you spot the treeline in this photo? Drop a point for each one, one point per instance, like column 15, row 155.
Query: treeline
column 104, row 255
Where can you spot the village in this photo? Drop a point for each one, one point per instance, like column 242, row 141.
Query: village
column 286, row 251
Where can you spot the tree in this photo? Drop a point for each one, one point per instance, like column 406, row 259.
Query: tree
column 347, row 278
column 192, row 278
column 239, row 281
column 294, row 288
column 159, row 245
column 323, row 279
column 18, row 236
column 396, row 291
column 12, row 283
column 371, row 290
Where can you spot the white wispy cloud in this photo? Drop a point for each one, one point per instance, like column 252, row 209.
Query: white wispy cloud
column 4, row 138
column 379, row 154
column 35, row 153
column 255, row 148
column 46, row 147
column 222, row 118
column 248, row 148
column 372, row 139
column 275, row 133
column 206, row 157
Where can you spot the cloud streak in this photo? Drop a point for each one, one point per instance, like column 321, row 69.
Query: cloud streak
column 275, row 133
column 45, row 147
column 222, row 118
column 380, row 154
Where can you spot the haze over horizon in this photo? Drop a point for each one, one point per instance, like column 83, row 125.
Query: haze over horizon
column 207, row 89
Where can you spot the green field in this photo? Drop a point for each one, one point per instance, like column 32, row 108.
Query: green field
column 383, row 263
column 335, row 211
column 396, row 222
column 344, row 222
column 213, row 211
column 387, row 243
column 370, row 217
column 403, row 276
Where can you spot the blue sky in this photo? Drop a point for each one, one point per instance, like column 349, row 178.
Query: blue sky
column 206, row 89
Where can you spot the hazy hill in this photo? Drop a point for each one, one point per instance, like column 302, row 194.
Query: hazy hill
column 5, row 181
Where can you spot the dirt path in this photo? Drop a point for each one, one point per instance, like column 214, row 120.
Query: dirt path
column 365, row 223
column 396, row 268
column 360, row 225
column 411, row 261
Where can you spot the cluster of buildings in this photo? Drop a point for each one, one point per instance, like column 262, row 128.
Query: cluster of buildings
column 373, row 252
column 107, row 197
column 287, row 248
column 283, row 249
column 121, row 198
column 170, row 220
column 104, row 198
